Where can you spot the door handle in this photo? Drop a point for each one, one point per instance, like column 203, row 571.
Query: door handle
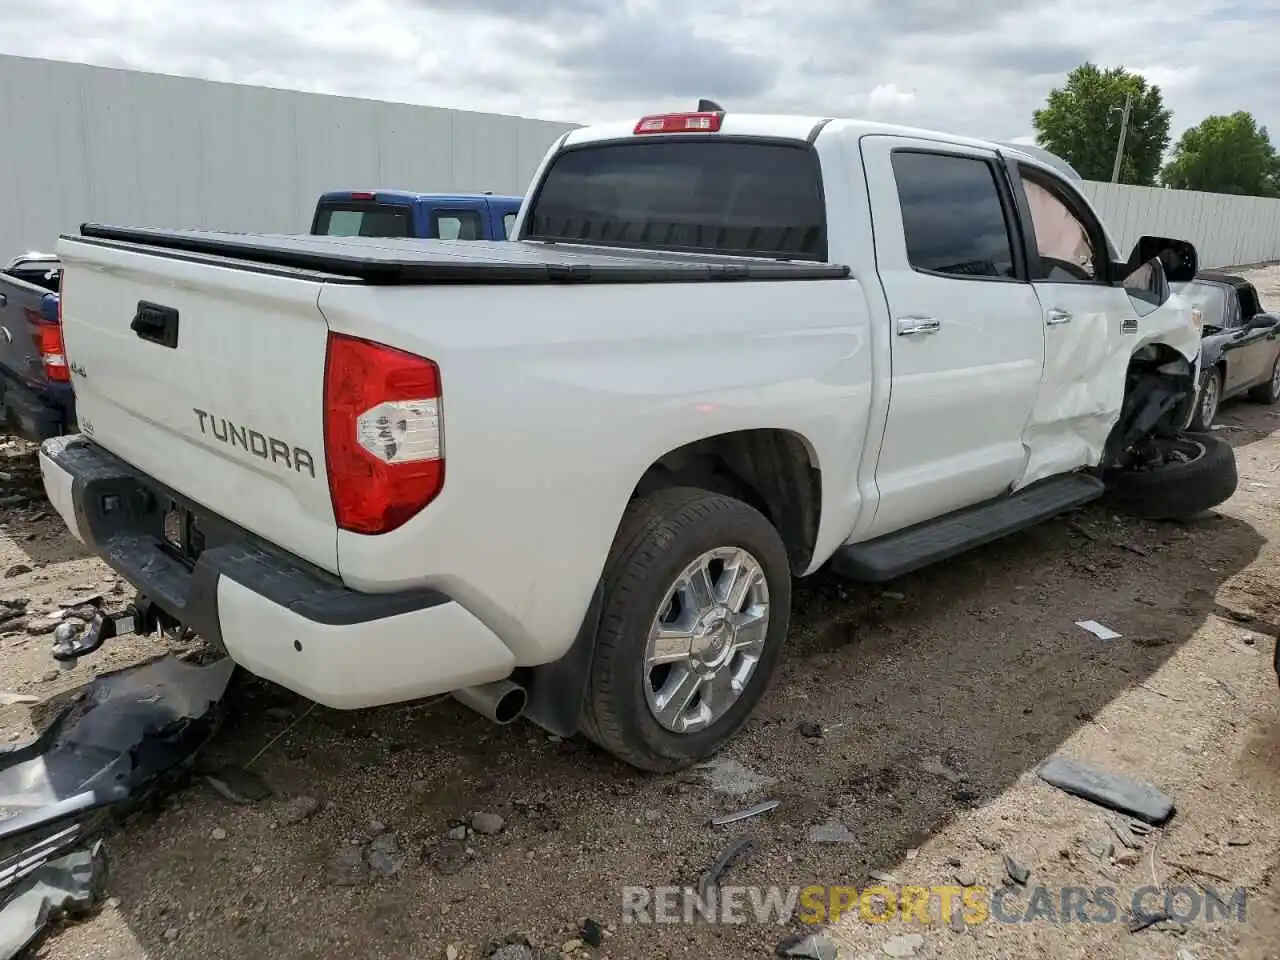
column 911, row 325
column 1056, row 316
column 156, row 323
column 4, row 301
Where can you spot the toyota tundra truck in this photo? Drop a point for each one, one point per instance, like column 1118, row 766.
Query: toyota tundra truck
column 572, row 476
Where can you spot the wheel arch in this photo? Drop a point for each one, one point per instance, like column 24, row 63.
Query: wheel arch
column 774, row 470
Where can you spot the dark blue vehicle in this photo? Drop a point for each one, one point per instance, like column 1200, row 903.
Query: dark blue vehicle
column 400, row 213
column 36, row 400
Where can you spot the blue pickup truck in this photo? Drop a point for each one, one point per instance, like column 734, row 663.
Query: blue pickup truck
column 398, row 213
column 36, row 400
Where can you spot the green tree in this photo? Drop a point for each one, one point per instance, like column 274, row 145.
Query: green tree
column 1081, row 123
column 1230, row 154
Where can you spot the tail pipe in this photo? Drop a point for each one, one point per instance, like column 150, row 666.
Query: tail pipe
column 501, row 701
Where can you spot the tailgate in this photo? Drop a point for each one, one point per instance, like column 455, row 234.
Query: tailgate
column 208, row 378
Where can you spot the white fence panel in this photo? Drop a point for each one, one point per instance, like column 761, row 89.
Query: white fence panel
column 1227, row 230
column 91, row 143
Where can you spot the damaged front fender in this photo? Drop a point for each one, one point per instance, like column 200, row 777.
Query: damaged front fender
column 1160, row 393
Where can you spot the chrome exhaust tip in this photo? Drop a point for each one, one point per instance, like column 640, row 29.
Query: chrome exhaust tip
column 500, row 701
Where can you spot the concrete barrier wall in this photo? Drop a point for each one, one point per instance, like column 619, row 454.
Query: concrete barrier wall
column 91, row 143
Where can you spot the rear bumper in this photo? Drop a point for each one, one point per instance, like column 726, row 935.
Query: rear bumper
column 276, row 615
column 33, row 415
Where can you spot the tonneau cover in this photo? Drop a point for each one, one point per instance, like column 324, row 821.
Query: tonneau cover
column 417, row 261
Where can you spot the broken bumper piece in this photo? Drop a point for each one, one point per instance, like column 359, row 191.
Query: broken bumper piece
column 115, row 744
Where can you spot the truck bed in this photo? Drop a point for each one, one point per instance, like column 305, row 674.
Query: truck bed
column 414, row 261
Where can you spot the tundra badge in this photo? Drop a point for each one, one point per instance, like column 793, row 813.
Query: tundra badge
column 256, row 442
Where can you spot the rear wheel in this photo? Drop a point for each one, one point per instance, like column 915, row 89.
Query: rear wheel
column 1176, row 478
column 1207, row 402
column 696, row 608
column 1268, row 392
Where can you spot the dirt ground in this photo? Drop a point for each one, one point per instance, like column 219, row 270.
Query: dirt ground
column 937, row 699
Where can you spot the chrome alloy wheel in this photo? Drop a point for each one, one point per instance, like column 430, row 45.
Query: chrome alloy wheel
column 706, row 640
column 1209, row 400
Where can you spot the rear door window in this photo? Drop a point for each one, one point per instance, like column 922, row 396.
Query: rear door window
column 358, row 219
column 457, row 225
column 952, row 215
column 724, row 196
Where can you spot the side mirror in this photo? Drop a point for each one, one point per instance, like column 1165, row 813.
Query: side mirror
column 1178, row 257
column 1147, row 287
column 1263, row 321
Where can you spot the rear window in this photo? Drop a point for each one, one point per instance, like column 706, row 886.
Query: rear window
column 724, row 196
column 356, row 219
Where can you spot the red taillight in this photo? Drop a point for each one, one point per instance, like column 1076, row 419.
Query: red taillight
column 383, row 441
column 362, row 196
column 680, row 123
column 53, row 355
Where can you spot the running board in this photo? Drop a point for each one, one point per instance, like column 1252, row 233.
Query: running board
column 898, row 553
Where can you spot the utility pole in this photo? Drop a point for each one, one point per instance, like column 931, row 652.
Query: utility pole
column 1124, row 128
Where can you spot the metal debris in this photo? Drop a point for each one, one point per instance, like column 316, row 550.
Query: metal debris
column 746, row 814
column 740, row 847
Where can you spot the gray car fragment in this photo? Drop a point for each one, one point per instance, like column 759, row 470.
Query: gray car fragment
column 114, row 745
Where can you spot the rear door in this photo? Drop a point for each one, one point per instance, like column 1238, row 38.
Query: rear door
column 210, row 380
column 967, row 342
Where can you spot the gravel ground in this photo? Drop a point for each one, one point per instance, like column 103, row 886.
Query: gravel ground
column 935, row 701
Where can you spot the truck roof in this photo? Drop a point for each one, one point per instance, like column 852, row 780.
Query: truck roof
column 410, row 196
column 791, row 127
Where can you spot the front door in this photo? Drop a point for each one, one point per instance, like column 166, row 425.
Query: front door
column 967, row 344
column 1091, row 326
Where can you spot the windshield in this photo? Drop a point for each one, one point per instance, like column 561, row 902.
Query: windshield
column 354, row 218
column 1211, row 298
column 724, row 196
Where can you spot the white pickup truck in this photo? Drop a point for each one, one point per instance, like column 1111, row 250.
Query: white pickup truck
column 572, row 476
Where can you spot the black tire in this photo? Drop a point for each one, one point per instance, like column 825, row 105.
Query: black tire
column 1178, row 490
column 659, row 536
column 1202, row 417
column 1269, row 392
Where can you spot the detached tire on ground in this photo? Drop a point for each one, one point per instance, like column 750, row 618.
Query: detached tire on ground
column 1178, row 488
column 697, row 599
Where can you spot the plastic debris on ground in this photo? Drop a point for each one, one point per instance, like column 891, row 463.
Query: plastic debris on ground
column 1098, row 630
column 113, row 745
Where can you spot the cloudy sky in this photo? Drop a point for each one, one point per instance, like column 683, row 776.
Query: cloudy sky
column 974, row 66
